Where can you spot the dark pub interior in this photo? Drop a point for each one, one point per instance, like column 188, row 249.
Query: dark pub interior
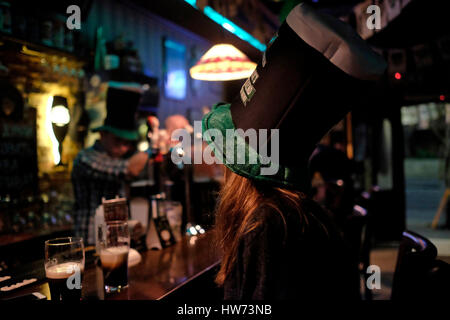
column 210, row 150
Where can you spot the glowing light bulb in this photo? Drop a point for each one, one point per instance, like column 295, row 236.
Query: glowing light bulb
column 60, row 116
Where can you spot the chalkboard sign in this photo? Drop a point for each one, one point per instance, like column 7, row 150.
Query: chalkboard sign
column 18, row 155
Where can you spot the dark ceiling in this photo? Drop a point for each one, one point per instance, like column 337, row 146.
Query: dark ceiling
column 421, row 21
column 334, row 7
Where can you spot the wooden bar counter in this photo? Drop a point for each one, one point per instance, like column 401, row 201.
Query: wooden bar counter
column 184, row 269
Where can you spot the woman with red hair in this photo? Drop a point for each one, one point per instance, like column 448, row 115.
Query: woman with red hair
column 276, row 242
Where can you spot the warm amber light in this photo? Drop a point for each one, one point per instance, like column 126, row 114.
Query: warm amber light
column 48, row 124
column 221, row 63
column 60, row 115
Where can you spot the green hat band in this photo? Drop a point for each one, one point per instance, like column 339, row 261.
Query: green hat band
column 124, row 134
column 220, row 119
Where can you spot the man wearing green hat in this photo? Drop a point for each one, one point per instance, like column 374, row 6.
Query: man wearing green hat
column 104, row 169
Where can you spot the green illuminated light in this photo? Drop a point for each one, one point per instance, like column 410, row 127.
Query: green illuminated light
column 229, row 25
column 192, row 3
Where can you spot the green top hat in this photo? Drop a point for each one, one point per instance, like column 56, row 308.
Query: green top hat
column 121, row 105
column 311, row 75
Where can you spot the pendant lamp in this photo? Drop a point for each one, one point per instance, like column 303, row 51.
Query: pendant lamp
column 221, row 63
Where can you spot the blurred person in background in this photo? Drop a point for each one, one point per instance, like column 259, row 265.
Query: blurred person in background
column 105, row 169
column 331, row 171
column 203, row 179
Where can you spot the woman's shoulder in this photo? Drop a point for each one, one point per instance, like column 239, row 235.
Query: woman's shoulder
column 266, row 222
column 283, row 212
column 304, row 218
column 268, row 215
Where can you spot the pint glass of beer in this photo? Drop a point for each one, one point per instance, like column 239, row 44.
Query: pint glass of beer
column 114, row 249
column 64, row 266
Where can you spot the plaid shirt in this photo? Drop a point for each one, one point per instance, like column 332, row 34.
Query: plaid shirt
column 95, row 175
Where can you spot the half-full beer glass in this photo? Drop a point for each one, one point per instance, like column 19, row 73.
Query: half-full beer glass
column 114, row 249
column 64, row 266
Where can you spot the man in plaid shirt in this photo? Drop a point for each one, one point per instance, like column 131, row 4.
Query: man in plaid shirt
column 103, row 170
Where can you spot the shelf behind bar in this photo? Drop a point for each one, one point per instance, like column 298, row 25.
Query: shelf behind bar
column 42, row 48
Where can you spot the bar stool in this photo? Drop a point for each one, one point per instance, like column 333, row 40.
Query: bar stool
column 418, row 275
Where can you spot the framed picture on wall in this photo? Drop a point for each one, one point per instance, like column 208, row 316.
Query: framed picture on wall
column 174, row 69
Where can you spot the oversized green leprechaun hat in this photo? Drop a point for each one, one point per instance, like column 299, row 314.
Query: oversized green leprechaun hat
column 314, row 72
column 121, row 106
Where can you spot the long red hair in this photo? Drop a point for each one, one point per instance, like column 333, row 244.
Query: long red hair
column 238, row 199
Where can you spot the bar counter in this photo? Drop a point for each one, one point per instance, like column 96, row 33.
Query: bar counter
column 186, row 268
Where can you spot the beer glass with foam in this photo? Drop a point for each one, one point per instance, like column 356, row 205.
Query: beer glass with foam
column 64, row 266
column 114, row 249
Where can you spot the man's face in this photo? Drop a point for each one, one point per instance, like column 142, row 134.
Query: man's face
column 115, row 146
